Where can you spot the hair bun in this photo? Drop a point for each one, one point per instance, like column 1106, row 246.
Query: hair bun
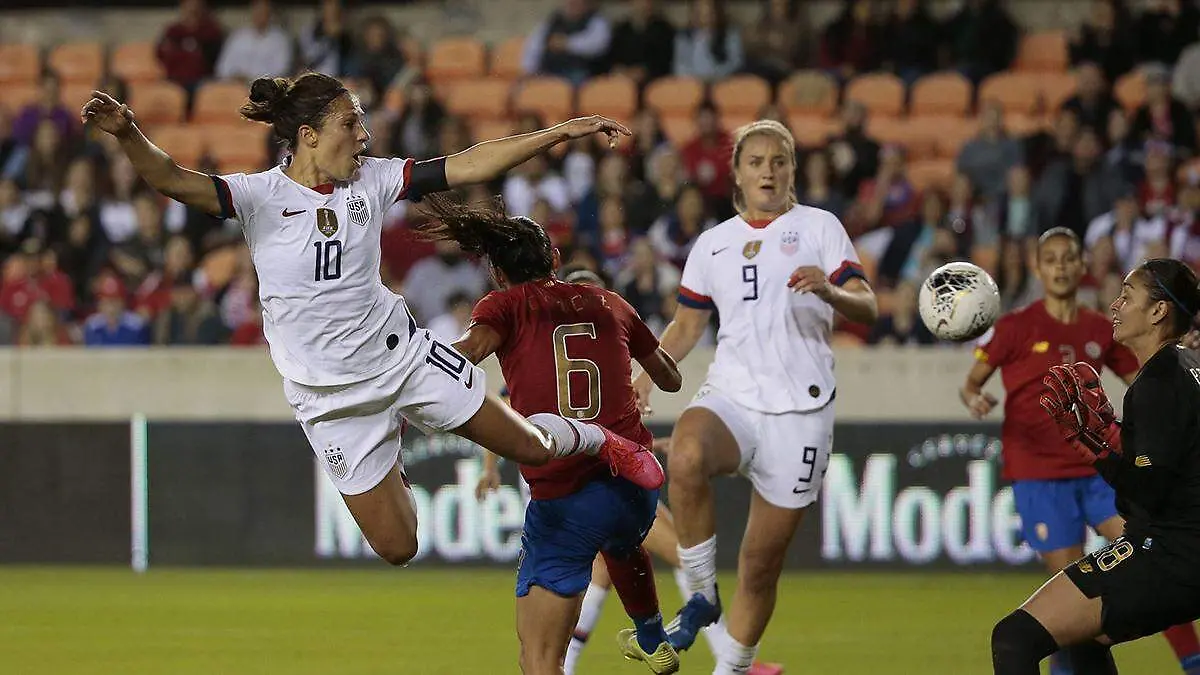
column 269, row 91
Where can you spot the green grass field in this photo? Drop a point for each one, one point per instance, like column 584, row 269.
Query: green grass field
column 427, row 622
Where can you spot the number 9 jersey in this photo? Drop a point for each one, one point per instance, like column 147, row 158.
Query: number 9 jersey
column 566, row 349
column 773, row 353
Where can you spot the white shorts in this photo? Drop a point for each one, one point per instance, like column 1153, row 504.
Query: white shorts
column 355, row 429
column 784, row 455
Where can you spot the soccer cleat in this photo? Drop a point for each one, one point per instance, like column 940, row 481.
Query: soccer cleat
column 663, row 661
column 631, row 461
column 760, row 668
column 695, row 615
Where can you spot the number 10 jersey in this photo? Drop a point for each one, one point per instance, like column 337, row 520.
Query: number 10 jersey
column 327, row 316
column 566, row 350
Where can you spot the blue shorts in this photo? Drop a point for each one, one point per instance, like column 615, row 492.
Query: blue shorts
column 562, row 536
column 1055, row 513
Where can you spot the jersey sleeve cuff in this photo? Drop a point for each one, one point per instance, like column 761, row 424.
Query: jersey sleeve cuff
column 224, row 197
column 690, row 298
column 847, row 271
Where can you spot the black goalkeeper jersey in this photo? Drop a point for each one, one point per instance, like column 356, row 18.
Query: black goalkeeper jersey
column 1157, row 475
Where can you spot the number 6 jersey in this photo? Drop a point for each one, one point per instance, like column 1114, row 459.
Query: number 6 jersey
column 327, row 316
column 773, row 351
column 566, row 350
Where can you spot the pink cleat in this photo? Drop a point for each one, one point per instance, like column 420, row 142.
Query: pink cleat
column 760, row 668
column 635, row 463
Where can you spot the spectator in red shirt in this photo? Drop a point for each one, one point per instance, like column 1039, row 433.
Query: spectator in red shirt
column 884, row 203
column 33, row 275
column 189, row 47
column 154, row 293
column 250, row 333
column 707, row 157
column 851, row 44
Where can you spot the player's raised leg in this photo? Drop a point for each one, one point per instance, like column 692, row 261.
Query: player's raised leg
column 702, row 446
column 1057, row 614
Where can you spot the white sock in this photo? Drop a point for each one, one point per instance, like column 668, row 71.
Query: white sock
column 589, row 614
column 569, row 436
column 699, row 563
column 735, row 658
column 681, row 580
column 717, row 637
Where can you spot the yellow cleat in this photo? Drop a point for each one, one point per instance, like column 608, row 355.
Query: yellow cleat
column 664, row 660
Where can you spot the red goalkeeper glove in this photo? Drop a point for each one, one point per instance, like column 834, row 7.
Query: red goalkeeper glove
column 1076, row 401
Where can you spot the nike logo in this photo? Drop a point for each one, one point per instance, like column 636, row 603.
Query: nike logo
column 470, row 378
column 719, row 250
column 289, row 214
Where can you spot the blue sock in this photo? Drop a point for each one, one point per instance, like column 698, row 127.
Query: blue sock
column 1060, row 664
column 1189, row 663
column 650, row 633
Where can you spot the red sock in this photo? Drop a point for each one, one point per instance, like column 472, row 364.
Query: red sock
column 633, row 577
column 1183, row 640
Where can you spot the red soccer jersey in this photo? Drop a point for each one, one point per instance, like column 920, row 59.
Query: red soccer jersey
column 566, row 350
column 1023, row 345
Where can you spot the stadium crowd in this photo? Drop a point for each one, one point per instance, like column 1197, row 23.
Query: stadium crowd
column 90, row 256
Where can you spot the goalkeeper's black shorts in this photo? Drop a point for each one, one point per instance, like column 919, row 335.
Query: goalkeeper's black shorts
column 1140, row 585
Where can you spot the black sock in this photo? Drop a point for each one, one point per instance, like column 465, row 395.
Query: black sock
column 1092, row 658
column 1019, row 643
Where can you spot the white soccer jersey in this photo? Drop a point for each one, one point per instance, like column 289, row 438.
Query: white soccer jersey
column 773, row 351
column 327, row 316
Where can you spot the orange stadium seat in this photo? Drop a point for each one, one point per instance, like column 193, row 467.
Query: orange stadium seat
column 740, row 95
column 74, row 96
column 219, row 102
column 948, row 134
column 1130, row 90
column 484, row 129
column 237, row 147
column 1056, row 88
column 613, row 96
column 17, row 96
column 158, row 102
column 456, row 58
column 941, row 94
column 931, row 173
column 731, row 122
column 19, row 64
column 78, row 62
column 880, row 93
column 679, row 130
column 1043, row 52
column 674, row 96
column 808, row 93
column 506, row 59
column 135, row 62
column 479, row 99
column 1015, row 92
column 810, row 131
column 914, row 139
column 552, row 98
column 181, row 142
column 1024, row 125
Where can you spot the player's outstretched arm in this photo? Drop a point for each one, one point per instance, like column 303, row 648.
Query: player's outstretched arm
column 677, row 341
column 972, row 394
column 479, row 342
column 663, row 370
column 491, row 159
column 152, row 164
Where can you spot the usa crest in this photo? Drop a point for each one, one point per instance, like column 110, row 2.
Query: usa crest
column 752, row 248
column 327, row 223
column 356, row 208
column 336, row 462
column 790, row 243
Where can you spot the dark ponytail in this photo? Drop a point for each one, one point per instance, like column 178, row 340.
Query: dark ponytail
column 515, row 245
column 288, row 104
column 1174, row 282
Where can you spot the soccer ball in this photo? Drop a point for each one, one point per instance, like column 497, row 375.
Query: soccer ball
column 959, row 302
